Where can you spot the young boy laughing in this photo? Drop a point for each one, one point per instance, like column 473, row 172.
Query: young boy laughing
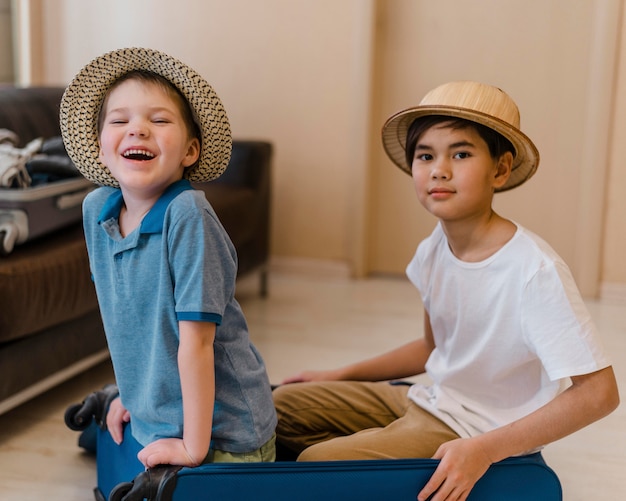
column 192, row 387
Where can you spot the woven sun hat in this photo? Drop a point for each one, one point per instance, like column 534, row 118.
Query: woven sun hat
column 83, row 99
column 477, row 102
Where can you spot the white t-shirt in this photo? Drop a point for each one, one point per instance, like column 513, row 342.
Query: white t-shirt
column 509, row 332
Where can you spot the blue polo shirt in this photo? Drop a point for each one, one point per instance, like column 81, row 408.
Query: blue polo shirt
column 178, row 265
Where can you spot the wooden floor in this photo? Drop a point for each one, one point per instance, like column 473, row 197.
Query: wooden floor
column 307, row 322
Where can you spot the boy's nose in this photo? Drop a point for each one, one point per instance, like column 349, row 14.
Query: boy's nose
column 138, row 130
column 440, row 170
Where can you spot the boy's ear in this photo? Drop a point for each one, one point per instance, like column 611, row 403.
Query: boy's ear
column 503, row 169
column 193, row 153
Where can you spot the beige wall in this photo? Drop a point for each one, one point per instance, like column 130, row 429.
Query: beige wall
column 614, row 243
column 559, row 66
column 317, row 77
column 287, row 71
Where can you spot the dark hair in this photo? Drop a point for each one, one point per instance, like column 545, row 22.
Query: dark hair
column 498, row 145
column 145, row 76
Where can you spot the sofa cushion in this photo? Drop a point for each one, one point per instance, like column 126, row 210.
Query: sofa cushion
column 45, row 282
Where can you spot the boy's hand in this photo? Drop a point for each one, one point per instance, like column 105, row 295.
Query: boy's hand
column 463, row 463
column 117, row 416
column 166, row 451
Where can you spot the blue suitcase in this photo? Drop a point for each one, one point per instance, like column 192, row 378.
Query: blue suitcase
column 121, row 477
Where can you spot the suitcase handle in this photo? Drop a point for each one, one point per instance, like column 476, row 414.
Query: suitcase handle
column 153, row 484
column 71, row 199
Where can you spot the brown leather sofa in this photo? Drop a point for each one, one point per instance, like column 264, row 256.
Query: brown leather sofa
column 50, row 327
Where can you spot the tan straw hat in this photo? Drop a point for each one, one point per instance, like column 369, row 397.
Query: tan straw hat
column 83, row 98
column 472, row 101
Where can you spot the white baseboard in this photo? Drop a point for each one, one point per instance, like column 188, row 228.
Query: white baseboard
column 319, row 268
column 613, row 291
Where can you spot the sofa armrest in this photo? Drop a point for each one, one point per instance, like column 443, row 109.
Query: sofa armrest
column 249, row 164
column 241, row 198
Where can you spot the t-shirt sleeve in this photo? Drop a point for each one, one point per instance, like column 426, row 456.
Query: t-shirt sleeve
column 203, row 265
column 558, row 326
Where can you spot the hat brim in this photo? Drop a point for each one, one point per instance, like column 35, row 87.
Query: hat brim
column 82, row 100
column 394, row 133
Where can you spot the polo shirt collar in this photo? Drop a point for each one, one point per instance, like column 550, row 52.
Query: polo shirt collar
column 153, row 220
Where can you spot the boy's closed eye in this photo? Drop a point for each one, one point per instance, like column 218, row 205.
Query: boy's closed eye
column 115, row 121
column 116, row 118
column 162, row 116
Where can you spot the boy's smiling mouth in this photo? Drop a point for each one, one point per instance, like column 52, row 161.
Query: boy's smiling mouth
column 138, row 154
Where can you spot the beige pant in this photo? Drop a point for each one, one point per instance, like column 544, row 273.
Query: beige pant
column 355, row 420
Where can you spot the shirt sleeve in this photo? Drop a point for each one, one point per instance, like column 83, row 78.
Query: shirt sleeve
column 558, row 326
column 203, row 263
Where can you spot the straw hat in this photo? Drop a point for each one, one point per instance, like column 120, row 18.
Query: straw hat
column 472, row 101
column 83, row 98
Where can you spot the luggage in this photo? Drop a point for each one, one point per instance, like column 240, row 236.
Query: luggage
column 519, row 479
column 40, row 190
column 27, row 213
column 121, row 476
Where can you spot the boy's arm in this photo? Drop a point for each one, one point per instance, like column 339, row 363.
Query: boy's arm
column 406, row 361
column 463, row 461
column 196, row 367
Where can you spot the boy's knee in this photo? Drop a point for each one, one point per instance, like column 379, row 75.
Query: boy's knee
column 335, row 449
column 278, row 393
column 288, row 418
column 290, row 396
column 281, row 398
column 317, row 452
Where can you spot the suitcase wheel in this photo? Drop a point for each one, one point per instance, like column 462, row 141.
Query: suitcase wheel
column 76, row 420
column 95, row 406
column 119, row 492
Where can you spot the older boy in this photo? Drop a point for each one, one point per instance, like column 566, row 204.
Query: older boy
column 504, row 326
